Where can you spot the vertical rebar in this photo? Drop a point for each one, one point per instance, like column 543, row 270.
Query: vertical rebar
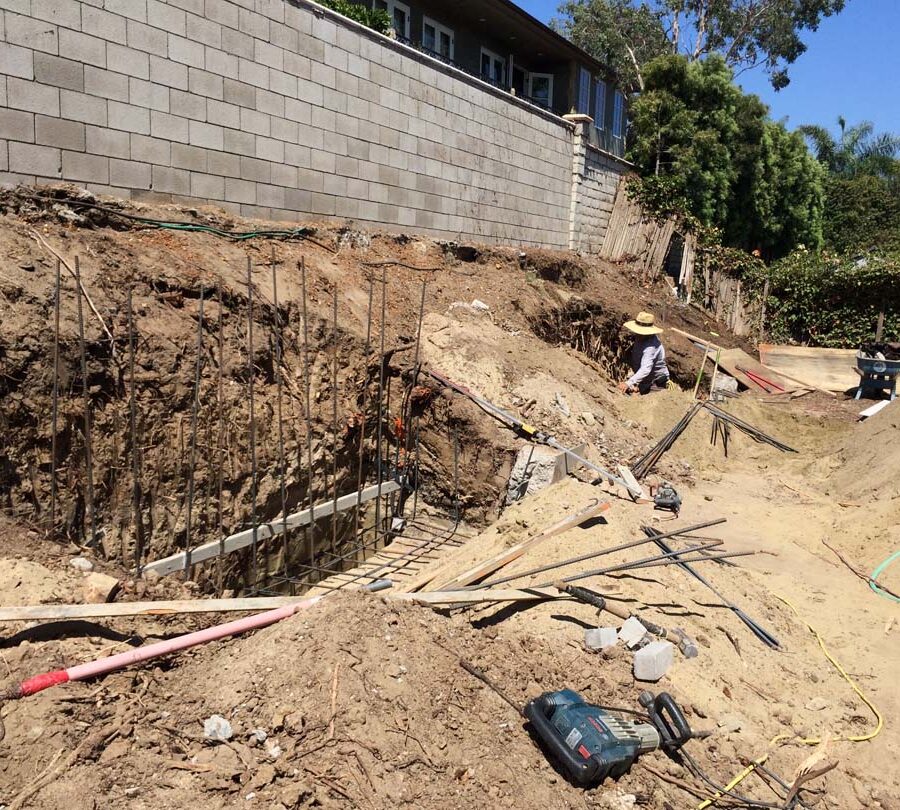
column 88, row 455
column 407, row 418
column 136, row 495
column 310, row 530
column 251, row 370
column 195, row 408
column 378, row 438
column 365, row 403
column 334, row 418
column 280, row 414
column 54, row 426
column 220, row 443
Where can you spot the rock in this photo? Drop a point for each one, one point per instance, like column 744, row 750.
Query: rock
column 533, row 470
column 654, row 661
column 817, row 704
column 98, row 588
column 480, row 306
column 562, row 405
column 588, row 418
column 264, row 776
column 217, row 728
column 81, row 563
column 294, row 793
column 731, row 723
column 151, row 577
column 632, row 632
column 258, row 736
column 131, row 792
column 600, row 638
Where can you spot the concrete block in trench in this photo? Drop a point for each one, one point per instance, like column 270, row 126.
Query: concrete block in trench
column 536, row 468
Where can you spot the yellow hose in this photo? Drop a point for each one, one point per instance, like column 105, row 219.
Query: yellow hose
column 781, row 738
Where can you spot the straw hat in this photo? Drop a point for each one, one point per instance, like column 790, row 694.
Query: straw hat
column 643, row 324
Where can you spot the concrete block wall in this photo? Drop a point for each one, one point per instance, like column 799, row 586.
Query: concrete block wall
column 274, row 109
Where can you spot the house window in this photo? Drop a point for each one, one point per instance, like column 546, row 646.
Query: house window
column 600, row 105
column 619, row 116
column 399, row 14
column 540, row 88
column 493, row 68
column 437, row 38
column 584, row 91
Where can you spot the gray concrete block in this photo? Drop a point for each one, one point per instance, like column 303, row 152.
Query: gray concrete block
column 310, row 179
column 271, row 196
column 225, row 115
column 86, row 168
column 39, row 98
column 129, row 174
column 296, row 64
column 298, row 156
column 130, row 61
column 253, row 73
column 59, row 132
column 255, row 122
column 105, row 83
column 103, row 24
column 186, row 51
column 269, row 55
column 285, row 131
column 192, row 158
column 28, row 32
column 151, row 150
column 17, row 61
column 26, row 158
column 149, row 95
column 193, row 6
column 222, row 11
column 200, row 29
column 241, row 191
column 166, row 17
column 187, row 105
column 134, row 9
column 169, row 127
column 256, row 170
column 17, row 125
column 284, row 175
column 240, row 143
column 323, row 75
column 84, row 48
column 219, row 63
column 256, row 25
column 207, row 186
column 129, row 117
column 206, row 84
column 170, row 74
column 170, row 181
column 311, row 92
column 207, row 136
column 108, row 142
column 4, row 157
column 223, row 164
column 300, row 112
column 284, row 84
column 61, row 12
column 284, row 36
column 240, row 94
column 237, row 43
column 323, row 161
column 81, row 107
column 270, row 149
column 299, row 18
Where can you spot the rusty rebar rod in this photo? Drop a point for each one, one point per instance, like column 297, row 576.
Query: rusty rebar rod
column 192, row 463
column 85, row 390
column 136, row 493
column 54, row 418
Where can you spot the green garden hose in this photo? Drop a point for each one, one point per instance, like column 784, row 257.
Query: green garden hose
column 878, row 572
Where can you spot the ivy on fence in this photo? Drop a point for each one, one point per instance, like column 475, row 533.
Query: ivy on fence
column 378, row 19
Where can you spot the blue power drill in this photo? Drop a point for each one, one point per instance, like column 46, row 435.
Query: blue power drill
column 591, row 744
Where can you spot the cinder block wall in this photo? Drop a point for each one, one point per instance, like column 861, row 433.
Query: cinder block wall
column 273, row 109
column 594, row 194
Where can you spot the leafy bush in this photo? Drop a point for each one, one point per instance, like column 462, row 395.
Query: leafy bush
column 862, row 213
column 828, row 300
column 378, row 20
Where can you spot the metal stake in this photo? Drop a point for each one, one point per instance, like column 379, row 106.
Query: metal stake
column 220, row 443
column 136, row 495
column 378, row 462
column 195, row 407
column 309, row 531
column 55, row 407
column 334, row 417
column 365, row 402
column 251, row 368
column 279, row 410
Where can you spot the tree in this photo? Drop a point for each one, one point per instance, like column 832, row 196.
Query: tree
column 716, row 149
column 746, row 33
column 858, row 151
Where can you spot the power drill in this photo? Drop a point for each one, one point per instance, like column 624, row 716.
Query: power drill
column 591, row 744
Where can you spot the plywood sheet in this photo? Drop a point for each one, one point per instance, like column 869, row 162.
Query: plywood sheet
column 830, row 369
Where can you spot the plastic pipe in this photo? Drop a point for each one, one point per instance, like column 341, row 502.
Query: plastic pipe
column 106, row 665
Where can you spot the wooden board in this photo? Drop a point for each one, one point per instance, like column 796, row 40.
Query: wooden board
column 829, row 369
column 731, row 359
column 478, row 597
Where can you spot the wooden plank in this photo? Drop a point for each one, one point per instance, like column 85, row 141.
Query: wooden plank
column 511, row 554
column 478, row 597
column 733, row 359
column 827, row 369
column 695, row 339
column 176, row 562
column 151, row 609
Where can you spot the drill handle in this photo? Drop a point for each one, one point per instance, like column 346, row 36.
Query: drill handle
column 585, row 595
column 669, row 720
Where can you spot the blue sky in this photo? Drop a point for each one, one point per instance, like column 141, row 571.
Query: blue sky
column 851, row 68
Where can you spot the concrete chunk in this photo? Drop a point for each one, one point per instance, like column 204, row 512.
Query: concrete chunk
column 600, row 638
column 653, row 661
column 632, row 632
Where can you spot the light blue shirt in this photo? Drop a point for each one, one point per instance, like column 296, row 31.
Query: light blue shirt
column 648, row 359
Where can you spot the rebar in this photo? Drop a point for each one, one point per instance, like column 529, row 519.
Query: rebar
column 251, row 373
column 642, row 467
column 334, row 416
column 380, row 417
column 54, row 425
column 365, row 403
column 220, row 441
column 279, row 411
column 195, row 408
column 307, row 381
column 88, row 454
column 136, row 494
column 753, row 432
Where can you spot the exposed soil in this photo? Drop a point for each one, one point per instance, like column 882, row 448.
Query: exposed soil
column 360, row 701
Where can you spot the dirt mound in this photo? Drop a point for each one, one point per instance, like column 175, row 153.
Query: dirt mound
column 867, row 464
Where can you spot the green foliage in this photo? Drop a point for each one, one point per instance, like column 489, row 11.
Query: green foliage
column 862, row 213
column 737, row 171
column 858, row 151
column 833, row 301
column 378, row 19
column 627, row 34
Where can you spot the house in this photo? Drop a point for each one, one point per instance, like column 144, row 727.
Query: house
column 505, row 46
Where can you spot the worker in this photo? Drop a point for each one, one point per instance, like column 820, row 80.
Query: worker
column 648, row 356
